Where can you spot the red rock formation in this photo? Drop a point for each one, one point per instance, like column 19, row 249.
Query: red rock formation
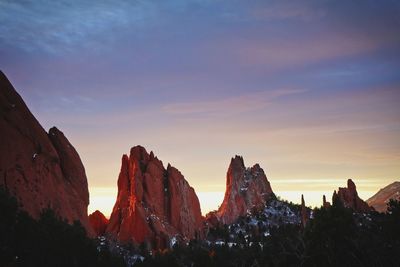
column 98, row 222
column 212, row 218
column 380, row 199
column 246, row 190
column 350, row 199
column 304, row 213
column 40, row 170
column 325, row 203
column 153, row 204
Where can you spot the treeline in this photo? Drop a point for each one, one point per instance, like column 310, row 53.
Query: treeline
column 334, row 237
column 48, row 241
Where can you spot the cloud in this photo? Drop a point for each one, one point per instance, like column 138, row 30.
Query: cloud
column 287, row 10
column 54, row 25
column 236, row 104
column 370, row 17
column 294, row 33
column 62, row 25
column 59, row 26
column 294, row 51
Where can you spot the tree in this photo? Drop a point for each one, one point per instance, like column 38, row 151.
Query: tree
column 329, row 237
column 49, row 241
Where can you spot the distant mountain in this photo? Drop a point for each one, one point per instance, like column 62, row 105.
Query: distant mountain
column 41, row 170
column 154, row 206
column 247, row 189
column 379, row 200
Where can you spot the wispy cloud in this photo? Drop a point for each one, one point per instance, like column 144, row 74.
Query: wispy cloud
column 295, row 52
column 54, row 25
column 283, row 10
column 236, row 104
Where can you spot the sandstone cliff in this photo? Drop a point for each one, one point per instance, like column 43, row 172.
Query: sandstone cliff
column 154, row 205
column 246, row 189
column 350, row 199
column 41, row 170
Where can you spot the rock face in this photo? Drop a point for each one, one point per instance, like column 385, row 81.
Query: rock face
column 350, row 199
column 98, row 222
column 154, row 204
column 381, row 198
column 41, row 170
column 246, row 189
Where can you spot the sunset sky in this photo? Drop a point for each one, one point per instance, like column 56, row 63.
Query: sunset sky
column 308, row 89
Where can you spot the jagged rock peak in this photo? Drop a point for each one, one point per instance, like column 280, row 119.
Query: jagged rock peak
column 41, row 170
column 139, row 153
column 154, row 204
column 348, row 196
column 351, row 185
column 246, row 189
column 325, row 203
column 237, row 161
column 98, row 222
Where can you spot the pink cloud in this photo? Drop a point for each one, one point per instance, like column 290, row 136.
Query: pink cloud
column 278, row 53
column 288, row 10
column 237, row 104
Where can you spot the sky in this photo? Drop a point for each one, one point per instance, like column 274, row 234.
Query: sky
column 307, row 89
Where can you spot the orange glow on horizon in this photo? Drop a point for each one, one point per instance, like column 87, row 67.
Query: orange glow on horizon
column 103, row 198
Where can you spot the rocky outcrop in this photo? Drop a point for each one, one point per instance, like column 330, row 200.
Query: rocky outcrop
column 41, row 170
column 247, row 189
column 350, row 199
column 154, row 204
column 304, row 213
column 98, row 222
column 381, row 198
column 325, row 204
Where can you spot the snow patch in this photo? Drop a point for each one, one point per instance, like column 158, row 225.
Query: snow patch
column 173, row 241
